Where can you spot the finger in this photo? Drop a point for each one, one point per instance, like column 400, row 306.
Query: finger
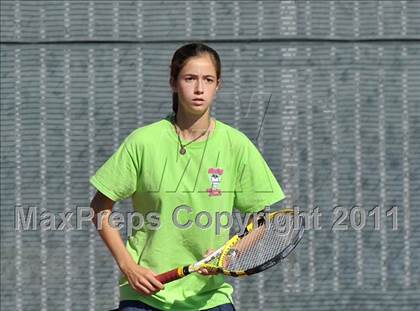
column 151, row 276
column 155, row 282
column 141, row 289
column 205, row 271
column 146, row 283
column 211, row 271
column 151, row 272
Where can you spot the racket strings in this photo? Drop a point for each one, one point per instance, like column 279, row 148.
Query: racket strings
column 261, row 245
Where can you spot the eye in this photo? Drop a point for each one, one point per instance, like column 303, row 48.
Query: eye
column 189, row 78
column 210, row 80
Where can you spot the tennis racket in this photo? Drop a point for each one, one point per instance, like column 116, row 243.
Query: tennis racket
column 257, row 249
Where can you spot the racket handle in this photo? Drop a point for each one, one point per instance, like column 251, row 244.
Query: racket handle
column 173, row 275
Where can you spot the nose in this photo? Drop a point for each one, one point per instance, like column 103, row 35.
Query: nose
column 199, row 87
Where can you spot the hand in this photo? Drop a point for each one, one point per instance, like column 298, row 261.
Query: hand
column 205, row 271
column 142, row 279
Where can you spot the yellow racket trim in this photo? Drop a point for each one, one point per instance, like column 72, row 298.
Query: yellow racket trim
column 180, row 271
column 228, row 246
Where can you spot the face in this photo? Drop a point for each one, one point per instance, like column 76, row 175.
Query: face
column 196, row 85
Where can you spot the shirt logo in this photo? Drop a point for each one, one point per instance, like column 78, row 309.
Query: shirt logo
column 215, row 179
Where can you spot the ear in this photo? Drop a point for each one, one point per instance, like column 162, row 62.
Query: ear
column 219, row 84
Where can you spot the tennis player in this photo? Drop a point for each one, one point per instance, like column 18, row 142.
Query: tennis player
column 188, row 168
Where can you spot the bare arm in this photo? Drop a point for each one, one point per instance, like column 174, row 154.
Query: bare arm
column 141, row 279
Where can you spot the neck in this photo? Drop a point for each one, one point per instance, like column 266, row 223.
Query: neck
column 191, row 126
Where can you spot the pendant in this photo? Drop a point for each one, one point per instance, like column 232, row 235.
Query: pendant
column 182, row 150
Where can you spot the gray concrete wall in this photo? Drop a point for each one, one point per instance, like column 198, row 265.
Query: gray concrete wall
column 342, row 128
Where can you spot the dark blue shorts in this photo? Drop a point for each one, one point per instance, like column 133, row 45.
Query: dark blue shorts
column 135, row 305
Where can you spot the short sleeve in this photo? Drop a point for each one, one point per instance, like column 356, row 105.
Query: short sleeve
column 256, row 186
column 117, row 178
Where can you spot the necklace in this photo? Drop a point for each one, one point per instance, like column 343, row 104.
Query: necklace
column 182, row 150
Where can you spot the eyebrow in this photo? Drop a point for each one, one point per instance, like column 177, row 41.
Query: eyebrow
column 193, row 75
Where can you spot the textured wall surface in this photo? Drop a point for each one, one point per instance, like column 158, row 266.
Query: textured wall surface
column 342, row 128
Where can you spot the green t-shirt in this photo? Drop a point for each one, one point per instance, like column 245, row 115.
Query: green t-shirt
column 223, row 172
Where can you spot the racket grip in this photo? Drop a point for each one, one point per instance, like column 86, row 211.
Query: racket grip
column 172, row 275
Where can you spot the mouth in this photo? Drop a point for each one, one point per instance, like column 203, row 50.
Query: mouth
column 198, row 101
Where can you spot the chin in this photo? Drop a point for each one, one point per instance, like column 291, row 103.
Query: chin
column 198, row 110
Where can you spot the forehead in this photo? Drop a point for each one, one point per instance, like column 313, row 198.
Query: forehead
column 202, row 64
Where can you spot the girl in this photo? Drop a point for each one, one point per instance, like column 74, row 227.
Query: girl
column 189, row 169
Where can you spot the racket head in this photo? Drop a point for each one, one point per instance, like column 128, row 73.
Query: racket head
column 263, row 245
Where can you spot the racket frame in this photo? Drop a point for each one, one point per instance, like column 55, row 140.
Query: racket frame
column 222, row 252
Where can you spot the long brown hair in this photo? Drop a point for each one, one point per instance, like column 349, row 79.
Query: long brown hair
column 180, row 58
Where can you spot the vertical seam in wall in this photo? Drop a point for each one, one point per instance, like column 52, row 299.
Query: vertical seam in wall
column 382, row 175
column 91, row 147
column 18, row 178
column 310, row 173
column 334, row 169
column 359, row 168
column 406, row 175
column 116, row 140
column 67, row 174
column 43, row 176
